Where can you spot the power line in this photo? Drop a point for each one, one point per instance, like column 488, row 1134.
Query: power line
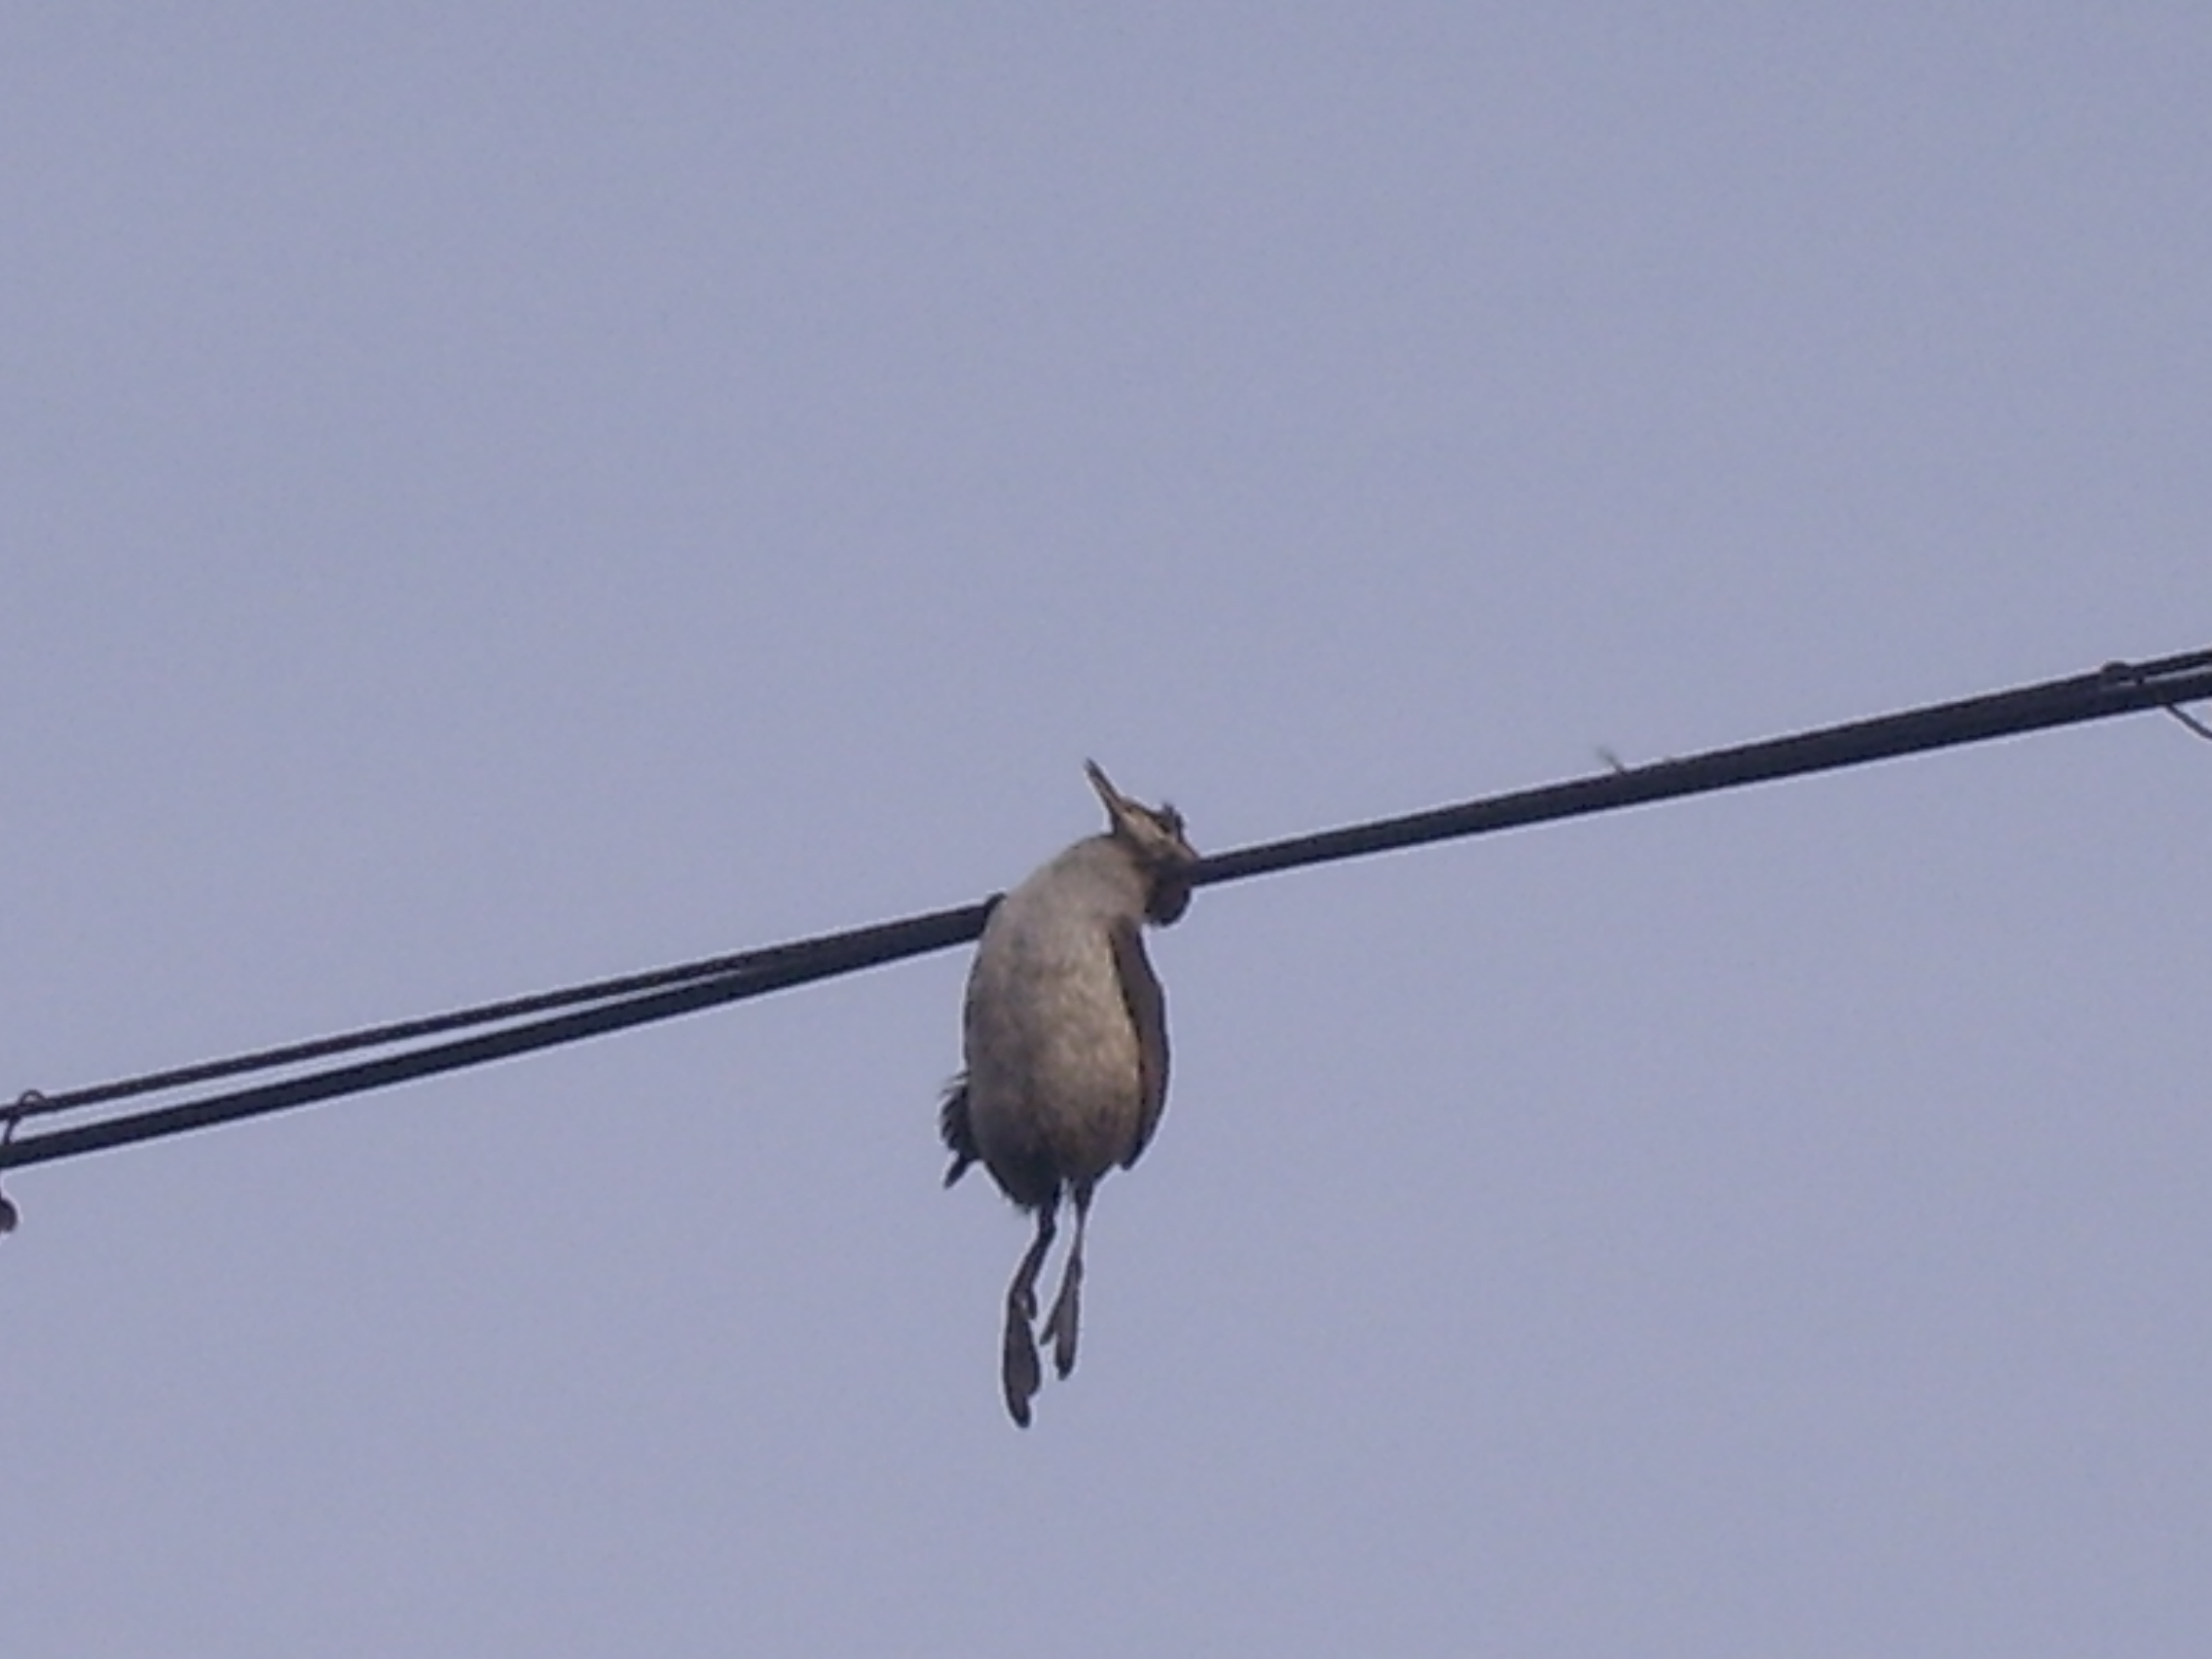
column 613, row 1004
column 2117, row 688
column 408, row 1030
column 766, row 971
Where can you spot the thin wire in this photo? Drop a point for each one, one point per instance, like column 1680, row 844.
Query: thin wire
column 638, row 999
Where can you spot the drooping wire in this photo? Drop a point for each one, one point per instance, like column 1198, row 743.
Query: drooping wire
column 611, row 1005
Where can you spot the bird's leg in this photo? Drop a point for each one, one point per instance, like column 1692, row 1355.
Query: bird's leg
column 1019, row 1368
column 1066, row 1306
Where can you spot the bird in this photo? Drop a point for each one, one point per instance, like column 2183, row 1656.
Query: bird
column 1064, row 1035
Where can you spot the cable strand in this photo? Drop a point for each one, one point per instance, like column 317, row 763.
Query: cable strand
column 638, row 999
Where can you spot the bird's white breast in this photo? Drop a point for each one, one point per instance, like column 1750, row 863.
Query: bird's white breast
column 1053, row 1056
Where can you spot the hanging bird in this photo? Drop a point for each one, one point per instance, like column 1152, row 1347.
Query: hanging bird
column 1066, row 1042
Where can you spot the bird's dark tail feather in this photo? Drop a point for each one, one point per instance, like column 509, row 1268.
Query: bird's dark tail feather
column 952, row 1123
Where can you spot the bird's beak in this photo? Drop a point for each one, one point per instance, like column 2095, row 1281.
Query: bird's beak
column 1117, row 805
column 1155, row 838
column 1157, row 832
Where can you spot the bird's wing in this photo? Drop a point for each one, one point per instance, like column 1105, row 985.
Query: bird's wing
column 1148, row 1013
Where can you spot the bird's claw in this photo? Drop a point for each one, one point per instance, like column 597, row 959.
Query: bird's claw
column 1061, row 1328
column 1020, row 1370
column 1066, row 1314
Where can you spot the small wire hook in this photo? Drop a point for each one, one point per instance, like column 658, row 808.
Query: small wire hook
column 2189, row 719
column 2128, row 671
column 29, row 1100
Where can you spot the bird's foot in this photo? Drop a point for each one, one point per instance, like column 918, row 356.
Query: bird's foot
column 1019, row 1368
column 1060, row 1326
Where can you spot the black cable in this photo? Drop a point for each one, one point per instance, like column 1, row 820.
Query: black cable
column 772, row 970
column 407, row 1031
column 2115, row 689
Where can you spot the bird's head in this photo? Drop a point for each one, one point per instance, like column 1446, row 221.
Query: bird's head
column 1153, row 837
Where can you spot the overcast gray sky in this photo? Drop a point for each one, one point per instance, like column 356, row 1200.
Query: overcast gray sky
column 501, row 495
